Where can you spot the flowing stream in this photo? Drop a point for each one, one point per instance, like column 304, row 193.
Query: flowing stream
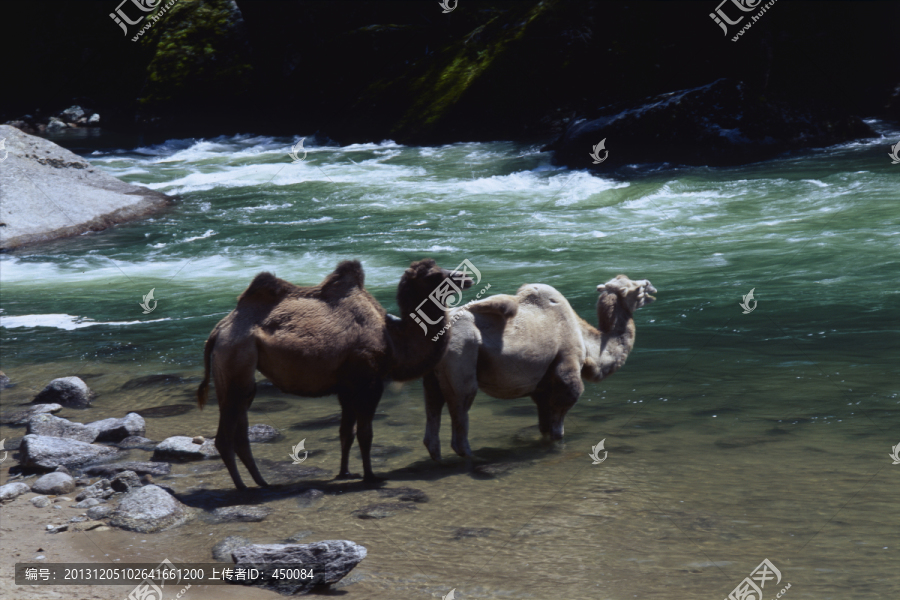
column 731, row 437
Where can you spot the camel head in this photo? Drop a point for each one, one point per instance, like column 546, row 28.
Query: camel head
column 634, row 294
column 424, row 277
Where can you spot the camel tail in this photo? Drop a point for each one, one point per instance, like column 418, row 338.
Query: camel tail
column 203, row 390
column 502, row 305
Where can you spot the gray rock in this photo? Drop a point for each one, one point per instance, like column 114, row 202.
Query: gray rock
column 95, row 119
column 148, row 509
column 125, row 481
column 11, row 491
column 21, row 417
column 101, row 511
column 407, row 494
column 382, row 511
column 115, row 430
column 55, row 125
column 62, row 428
column 41, row 501
column 57, row 528
column 136, row 441
column 49, row 452
column 181, row 447
column 331, row 560
column 93, row 199
column 246, row 514
column 78, row 519
column 62, row 469
column 72, row 114
column 54, row 483
column 68, row 391
column 89, row 503
column 101, row 489
column 262, row 433
column 222, row 550
column 141, row 468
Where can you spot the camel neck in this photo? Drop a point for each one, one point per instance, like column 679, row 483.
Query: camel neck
column 608, row 345
column 414, row 352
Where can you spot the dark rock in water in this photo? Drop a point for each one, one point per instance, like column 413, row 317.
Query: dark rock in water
column 54, row 483
column 21, row 417
column 48, row 452
column 12, row 444
column 170, row 410
column 240, row 514
column 331, row 560
column 148, row 509
column 101, row 489
column 72, row 114
column 10, row 491
column 744, row 442
column 262, row 433
column 717, row 124
column 68, row 391
column 51, row 426
column 309, row 498
column 62, row 469
column 404, row 493
column 136, row 441
column 101, row 511
column 151, row 380
column 382, row 510
column 4, row 381
column 495, row 469
column 285, row 472
column 223, row 549
column 140, row 468
column 472, row 532
column 298, row 536
column 269, row 406
column 181, row 447
column 115, row 430
column 125, row 481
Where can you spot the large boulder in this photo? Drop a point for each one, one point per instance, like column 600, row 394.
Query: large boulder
column 331, row 561
column 10, row 491
column 717, row 124
column 148, row 509
column 38, row 177
column 68, row 391
column 43, row 452
column 54, row 483
column 181, row 447
column 23, row 416
column 116, row 430
column 51, row 426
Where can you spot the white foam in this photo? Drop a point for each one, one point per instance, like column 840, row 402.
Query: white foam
column 63, row 321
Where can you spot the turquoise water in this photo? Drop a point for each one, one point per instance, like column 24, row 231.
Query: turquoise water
column 732, row 437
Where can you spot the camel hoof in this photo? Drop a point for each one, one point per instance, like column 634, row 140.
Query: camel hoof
column 371, row 480
column 347, row 475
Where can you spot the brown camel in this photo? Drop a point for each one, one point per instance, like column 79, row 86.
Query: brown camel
column 531, row 344
column 333, row 338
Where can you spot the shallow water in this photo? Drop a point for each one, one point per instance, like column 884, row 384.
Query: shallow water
column 731, row 437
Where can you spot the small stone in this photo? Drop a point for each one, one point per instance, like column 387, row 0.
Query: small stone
column 199, row 439
column 101, row 511
column 41, row 501
column 101, row 489
column 55, row 483
column 124, row 481
column 116, row 430
column 88, row 503
column 262, row 433
column 148, row 509
column 10, row 491
column 245, row 514
column 62, row 469
column 95, row 119
column 181, row 447
column 57, row 529
column 77, row 519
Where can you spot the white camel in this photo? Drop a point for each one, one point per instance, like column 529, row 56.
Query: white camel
column 531, row 344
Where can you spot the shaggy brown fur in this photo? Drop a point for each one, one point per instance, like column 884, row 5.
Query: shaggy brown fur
column 333, row 338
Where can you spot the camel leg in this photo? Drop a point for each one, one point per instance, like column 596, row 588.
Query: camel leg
column 367, row 403
column 348, row 427
column 554, row 397
column 434, row 405
column 459, row 405
column 242, row 445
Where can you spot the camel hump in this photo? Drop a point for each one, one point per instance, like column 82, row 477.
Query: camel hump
column 540, row 294
column 265, row 287
column 347, row 273
column 502, row 305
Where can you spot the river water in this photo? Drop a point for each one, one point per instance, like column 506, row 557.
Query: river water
column 731, row 437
